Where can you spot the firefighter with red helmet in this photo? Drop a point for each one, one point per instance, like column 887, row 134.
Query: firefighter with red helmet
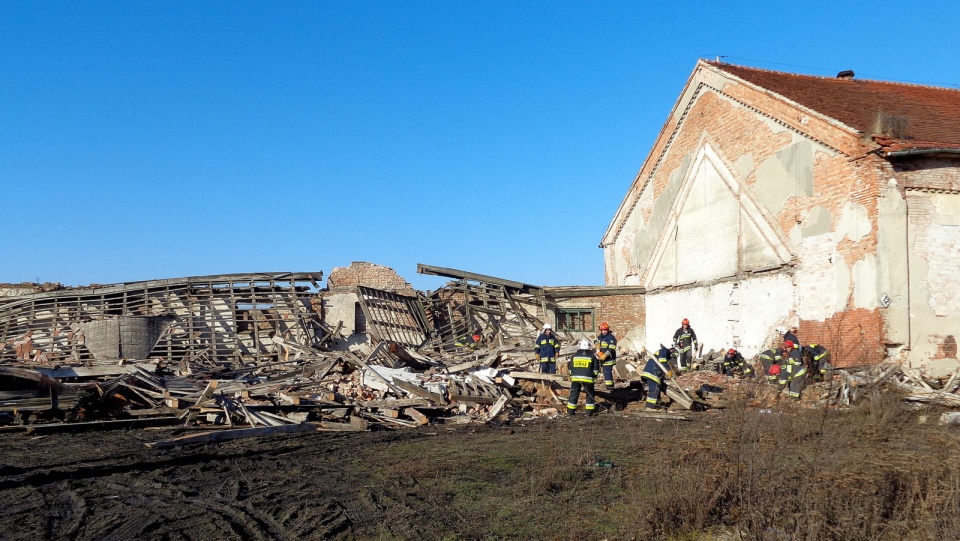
column 735, row 364
column 793, row 373
column 768, row 360
column 606, row 347
column 685, row 341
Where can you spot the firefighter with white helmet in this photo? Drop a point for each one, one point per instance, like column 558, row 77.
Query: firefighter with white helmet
column 584, row 368
column 547, row 348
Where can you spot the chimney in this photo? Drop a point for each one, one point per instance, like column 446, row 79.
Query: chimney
column 845, row 74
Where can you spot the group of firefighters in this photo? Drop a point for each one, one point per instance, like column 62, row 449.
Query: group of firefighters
column 787, row 366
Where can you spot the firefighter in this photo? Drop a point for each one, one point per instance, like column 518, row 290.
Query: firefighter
column 819, row 359
column 792, row 371
column 606, row 346
column 789, row 335
column 685, row 340
column 547, row 350
column 735, row 364
column 584, row 368
column 469, row 341
column 769, row 359
column 654, row 373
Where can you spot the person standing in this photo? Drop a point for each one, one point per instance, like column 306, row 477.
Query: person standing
column 584, row 368
column 606, row 346
column 685, row 340
column 547, row 350
column 655, row 373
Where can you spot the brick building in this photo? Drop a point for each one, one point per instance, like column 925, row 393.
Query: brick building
column 826, row 204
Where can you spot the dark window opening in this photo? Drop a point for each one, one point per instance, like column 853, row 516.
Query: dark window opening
column 581, row 320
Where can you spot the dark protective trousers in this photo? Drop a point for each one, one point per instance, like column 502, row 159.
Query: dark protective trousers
column 575, row 387
column 608, row 376
column 548, row 366
column 653, row 393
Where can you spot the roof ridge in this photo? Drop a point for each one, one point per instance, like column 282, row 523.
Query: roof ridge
column 720, row 65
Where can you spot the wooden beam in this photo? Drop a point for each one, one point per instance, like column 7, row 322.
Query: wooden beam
column 234, row 434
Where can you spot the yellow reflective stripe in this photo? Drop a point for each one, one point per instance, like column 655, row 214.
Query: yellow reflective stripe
column 582, row 379
column 650, row 376
column 651, row 400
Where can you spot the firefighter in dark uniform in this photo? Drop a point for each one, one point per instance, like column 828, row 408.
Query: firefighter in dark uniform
column 819, row 360
column 789, row 335
column 469, row 341
column 735, row 365
column 685, row 340
column 606, row 346
column 584, row 368
column 654, row 374
column 768, row 359
column 547, row 350
column 792, row 370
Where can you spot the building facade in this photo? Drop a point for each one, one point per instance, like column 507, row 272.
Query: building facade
column 830, row 205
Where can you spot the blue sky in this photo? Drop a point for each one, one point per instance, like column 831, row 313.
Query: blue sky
column 143, row 140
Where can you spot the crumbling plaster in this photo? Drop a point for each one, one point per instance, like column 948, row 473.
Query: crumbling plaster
column 822, row 202
column 724, row 314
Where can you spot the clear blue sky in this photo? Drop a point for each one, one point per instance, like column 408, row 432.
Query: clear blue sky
column 143, row 140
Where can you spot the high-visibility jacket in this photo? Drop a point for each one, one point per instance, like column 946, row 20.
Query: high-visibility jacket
column 774, row 356
column 684, row 339
column 792, row 365
column 818, row 354
column 466, row 342
column 607, row 344
column 732, row 360
column 547, row 346
column 584, row 367
column 816, row 351
column 653, row 371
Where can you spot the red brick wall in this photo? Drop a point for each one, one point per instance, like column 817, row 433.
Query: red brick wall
column 853, row 337
column 360, row 273
column 621, row 312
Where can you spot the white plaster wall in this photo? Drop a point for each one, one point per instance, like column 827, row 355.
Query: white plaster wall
column 719, row 313
column 943, row 255
column 823, row 278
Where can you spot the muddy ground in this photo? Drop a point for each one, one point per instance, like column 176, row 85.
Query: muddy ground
column 874, row 472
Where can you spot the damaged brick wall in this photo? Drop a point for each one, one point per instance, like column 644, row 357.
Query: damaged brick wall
column 853, row 337
column 371, row 275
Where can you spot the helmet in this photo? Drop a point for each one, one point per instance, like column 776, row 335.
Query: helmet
column 774, row 369
column 787, row 344
column 685, row 321
column 731, row 351
column 584, row 343
column 476, row 338
column 547, row 327
column 604, row 326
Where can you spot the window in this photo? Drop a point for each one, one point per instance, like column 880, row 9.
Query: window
column 578, row 319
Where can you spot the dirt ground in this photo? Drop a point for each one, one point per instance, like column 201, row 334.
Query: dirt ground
column 874, row 472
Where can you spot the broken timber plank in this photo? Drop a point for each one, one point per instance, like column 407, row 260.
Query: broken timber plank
column 422, row 392
column 416, row 416
column 234, row 434
column 495, row 410
column 537, row 376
